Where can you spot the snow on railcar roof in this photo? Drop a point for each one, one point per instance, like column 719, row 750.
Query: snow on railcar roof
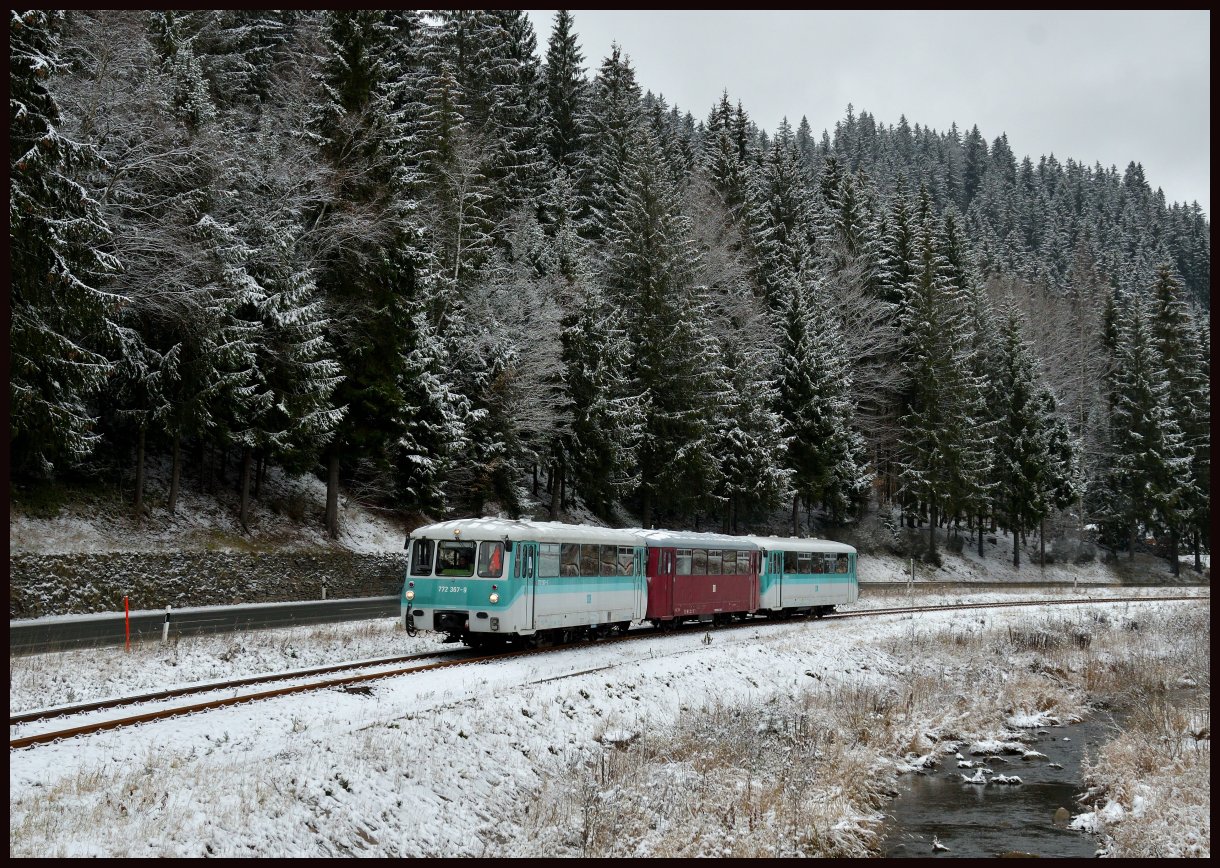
column 527, row 529
column 696, row 539
column 793, row 544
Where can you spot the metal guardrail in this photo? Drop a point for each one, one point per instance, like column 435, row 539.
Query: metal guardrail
column 92, row 631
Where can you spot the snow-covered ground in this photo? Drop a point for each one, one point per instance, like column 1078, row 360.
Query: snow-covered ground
column 287, row 515
column 451, row 763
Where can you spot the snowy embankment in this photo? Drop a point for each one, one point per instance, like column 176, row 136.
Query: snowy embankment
column 287, row 515
column 640, row 748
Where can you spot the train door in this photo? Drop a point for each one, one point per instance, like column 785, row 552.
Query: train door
column 527, row 571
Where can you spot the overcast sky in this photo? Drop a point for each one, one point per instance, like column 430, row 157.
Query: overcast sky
column 1095, row 86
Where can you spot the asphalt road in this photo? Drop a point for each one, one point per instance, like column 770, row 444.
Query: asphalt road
column 91, row 631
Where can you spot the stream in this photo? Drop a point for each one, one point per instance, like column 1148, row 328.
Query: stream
column 973, row 820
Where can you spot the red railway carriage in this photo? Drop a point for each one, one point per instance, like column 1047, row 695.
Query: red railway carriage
column 700, row 576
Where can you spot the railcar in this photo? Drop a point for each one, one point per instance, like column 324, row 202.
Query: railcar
column 805, row 576
column 486, row 581
column 706, row 577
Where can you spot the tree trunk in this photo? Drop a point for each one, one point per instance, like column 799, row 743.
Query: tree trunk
column 332, row 496
column 980, row 536
column 563, row 485
column 140, row 477
column 795, row 519
column 258, row 476
column 1016, row 548
column 1173, row 553
column 224, row 463
column 932, row 533
column 247, row 462
column 1198, row 559
column 552, row 487
column 172, row 504
column 535, row 479
column 1042, row 543
column 1131, row 543
column 646, row 508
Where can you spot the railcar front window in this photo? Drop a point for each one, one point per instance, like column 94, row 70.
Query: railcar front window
column 548, row 560
column 421, row 557
column 491, row 560
column 455, row 558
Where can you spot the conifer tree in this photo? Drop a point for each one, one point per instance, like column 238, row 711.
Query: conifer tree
column 672, row 372
column 62, row 316
column 1150, row 467
column 566, row 93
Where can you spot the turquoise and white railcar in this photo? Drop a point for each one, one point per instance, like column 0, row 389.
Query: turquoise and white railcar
column 485, row 580
column 805, row 576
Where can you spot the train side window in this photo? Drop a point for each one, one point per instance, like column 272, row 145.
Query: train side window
column 698, row 565
column 609, row 560
column 804, row 563
column 626, row 560
column 730, row 567
column 491, row 560
column 790, row 562
column 569, row 559
column 590, row 559
column 745, row 562
column 548, row 560
column 842, row 567
column 715, row 559
column 684, row 562
column 421, row 557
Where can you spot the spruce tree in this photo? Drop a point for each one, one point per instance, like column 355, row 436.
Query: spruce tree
column 62, row 316
column 566, row 93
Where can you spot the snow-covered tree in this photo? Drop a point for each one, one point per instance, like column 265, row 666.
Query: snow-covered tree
column 62, row 313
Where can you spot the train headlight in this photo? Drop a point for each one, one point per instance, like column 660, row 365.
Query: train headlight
column 495, row 598
column 410, row 596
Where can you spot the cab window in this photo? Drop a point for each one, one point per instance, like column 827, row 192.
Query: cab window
column 421, row 557
column 491, row 560
column 455, row 558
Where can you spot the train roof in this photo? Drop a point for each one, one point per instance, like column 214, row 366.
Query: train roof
column 695, row 539
column 555, row 531
column 792, row 544
column 527, row 529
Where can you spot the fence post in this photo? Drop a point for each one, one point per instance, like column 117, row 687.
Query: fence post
column 324, row 587
column 165, row 626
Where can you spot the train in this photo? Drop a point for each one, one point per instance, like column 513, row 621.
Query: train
column 487, row 582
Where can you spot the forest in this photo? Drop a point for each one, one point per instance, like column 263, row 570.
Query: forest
column 444, row 268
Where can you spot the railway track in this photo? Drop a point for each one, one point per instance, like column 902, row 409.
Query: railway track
column 416, row 664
